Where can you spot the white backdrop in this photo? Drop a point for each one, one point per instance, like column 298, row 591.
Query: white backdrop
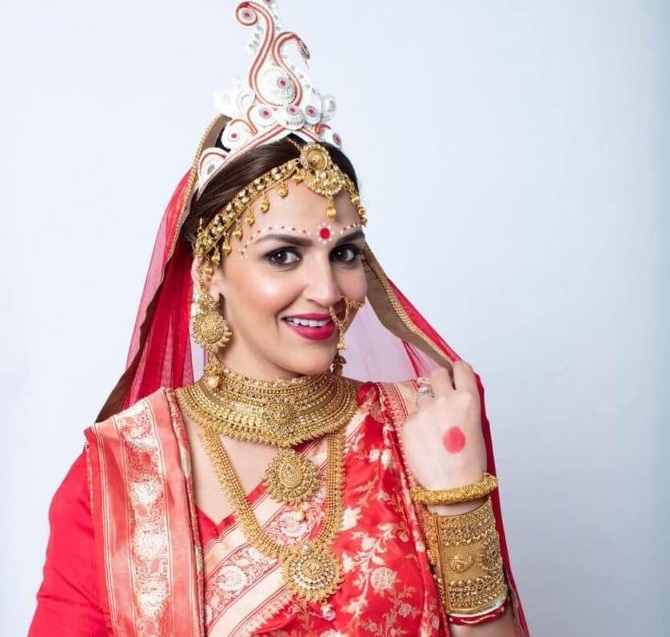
column 513, row 156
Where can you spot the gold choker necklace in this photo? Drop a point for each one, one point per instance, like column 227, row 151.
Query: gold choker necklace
column 282, row 413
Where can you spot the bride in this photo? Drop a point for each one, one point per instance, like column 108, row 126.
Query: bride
column 291, row 489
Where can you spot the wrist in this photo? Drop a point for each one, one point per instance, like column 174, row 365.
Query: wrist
column 472, row 492
column 465, row 551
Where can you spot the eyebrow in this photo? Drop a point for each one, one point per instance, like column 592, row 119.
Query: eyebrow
column 301, row 241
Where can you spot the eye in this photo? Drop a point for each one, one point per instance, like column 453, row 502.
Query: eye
column 283, row 256
column 347, row 253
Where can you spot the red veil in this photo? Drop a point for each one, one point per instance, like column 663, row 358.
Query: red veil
column 388, row 341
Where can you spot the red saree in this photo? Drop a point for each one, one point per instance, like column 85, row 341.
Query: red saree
column 155, row 575
column 159, row 576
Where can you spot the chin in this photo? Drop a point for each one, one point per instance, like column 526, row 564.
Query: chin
column 311, row 366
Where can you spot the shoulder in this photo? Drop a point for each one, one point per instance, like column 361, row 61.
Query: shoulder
column 72, row 498
column 157, row 408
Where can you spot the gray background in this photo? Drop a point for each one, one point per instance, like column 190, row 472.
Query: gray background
column 513, row 157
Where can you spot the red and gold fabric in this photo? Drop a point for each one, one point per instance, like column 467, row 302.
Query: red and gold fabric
column 163, row 568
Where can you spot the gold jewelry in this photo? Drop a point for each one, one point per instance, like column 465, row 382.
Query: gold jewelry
column 465, row 551
column 342, row 324
column 315, row 168
column 280, row 412
column 210, row 330
column 337, row 366
column 291, row 478
column 310, row 568
column 469, row 492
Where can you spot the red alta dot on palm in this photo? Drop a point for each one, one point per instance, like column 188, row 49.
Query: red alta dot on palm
column 324, row 233
column 453, row 440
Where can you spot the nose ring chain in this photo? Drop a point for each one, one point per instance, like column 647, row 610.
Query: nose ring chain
column 342, row 324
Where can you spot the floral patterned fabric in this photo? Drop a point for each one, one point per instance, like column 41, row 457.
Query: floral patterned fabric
column 215, row 583
column 387, row 589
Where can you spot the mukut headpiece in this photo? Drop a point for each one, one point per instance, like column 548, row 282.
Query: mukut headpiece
column 275, row 99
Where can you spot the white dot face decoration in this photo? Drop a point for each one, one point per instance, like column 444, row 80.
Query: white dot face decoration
column 350, row 226
column 324, row 234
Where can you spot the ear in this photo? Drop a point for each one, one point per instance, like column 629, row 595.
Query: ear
column 214, row 283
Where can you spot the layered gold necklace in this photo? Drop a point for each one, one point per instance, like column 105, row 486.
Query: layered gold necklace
column 282, row 413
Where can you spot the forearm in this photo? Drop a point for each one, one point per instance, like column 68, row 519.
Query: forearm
column 463, row 548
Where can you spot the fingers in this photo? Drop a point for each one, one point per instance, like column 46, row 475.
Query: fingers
column 424, row 393
column 441, row 382
column 464, row 377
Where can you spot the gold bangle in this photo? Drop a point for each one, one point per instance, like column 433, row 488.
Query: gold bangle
column 465, row 552
column 469, row 492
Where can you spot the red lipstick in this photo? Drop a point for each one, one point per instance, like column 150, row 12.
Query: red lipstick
column 312, row 332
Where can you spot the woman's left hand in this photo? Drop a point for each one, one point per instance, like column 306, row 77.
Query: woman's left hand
column 442, row 441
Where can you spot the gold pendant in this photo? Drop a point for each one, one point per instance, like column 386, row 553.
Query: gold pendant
column 312, row 574
column 291, row 478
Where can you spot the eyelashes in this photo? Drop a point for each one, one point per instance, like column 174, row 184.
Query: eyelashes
column 352, row 252
column 347, row 254
column 283, row 256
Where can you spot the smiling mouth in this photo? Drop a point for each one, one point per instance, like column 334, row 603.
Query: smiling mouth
column 308, row 322
column 321, row 329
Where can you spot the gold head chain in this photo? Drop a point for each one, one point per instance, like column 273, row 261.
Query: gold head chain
column 314, row 168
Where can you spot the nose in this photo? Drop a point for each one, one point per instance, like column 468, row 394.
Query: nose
column 321, row 285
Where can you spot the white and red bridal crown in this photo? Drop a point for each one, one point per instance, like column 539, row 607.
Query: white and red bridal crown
column 275, row 99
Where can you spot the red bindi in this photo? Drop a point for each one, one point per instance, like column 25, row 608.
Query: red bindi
column 453, row 440
column 324, row 233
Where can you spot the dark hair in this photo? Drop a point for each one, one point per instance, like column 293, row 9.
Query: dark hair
column 242, row 171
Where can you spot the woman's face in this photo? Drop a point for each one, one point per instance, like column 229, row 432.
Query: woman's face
column 281, row 278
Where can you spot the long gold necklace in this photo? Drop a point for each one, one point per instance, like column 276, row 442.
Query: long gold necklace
column 310, row 568
column 282, row 413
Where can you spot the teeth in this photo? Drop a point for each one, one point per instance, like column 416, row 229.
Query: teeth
column 308, row 322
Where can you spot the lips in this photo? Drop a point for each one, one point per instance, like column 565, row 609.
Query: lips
column 316, row 327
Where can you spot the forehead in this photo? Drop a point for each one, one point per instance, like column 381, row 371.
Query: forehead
column 304, row 209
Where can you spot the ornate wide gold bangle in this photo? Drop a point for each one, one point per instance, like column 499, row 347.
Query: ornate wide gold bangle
column 465, row 553
column 469, row 492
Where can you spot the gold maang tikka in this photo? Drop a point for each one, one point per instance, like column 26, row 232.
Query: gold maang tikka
column 210, row 330
column 342, row 325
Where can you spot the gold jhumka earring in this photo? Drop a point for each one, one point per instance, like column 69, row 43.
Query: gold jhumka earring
column 342, row 325
column 210, row 330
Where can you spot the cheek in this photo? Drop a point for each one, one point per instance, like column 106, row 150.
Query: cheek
column 257, row 293
column 353, row 284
